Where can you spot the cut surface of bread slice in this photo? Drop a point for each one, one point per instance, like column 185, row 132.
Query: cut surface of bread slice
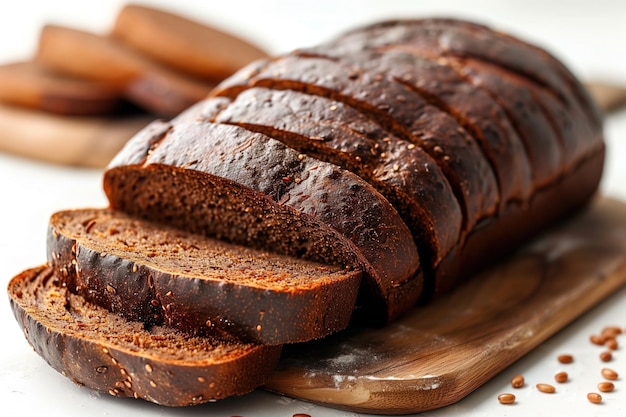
column 252, row 190
column 157, row 274
column 107, row 353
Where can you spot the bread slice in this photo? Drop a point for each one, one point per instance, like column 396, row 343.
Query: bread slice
column 181, row 43
column 252, row 190
column 107, row 353
column 157, row 274
column 29, row 84
column 146, row 83
column 334, row 132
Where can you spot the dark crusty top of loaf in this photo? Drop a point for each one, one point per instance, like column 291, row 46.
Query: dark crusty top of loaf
column 431, row 82
column 250, row 189
column 158, row 274
column 510, row 58
column 463, row 38
column 518, row 100
column 105, row 352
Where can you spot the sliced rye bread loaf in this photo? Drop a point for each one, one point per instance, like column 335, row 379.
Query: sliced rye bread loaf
column 146, row 83
column 563, row 100
column 396, row 108
column 103, row 351
column 156, row 274
column 252, row 190
column 334, row 132
column 492, row 233
column 244, row 187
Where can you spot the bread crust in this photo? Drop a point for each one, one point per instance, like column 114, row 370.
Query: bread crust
column 138, row 364
column 393, row 106
column 448, row 36
column 473, row 109
column 334, row 132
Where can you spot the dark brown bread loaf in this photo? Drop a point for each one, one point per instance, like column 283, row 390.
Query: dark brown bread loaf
column 468, row 39
column 478, row 106
column 573, row 116
column 249, row 189
column 105, row 352
column 157, row 274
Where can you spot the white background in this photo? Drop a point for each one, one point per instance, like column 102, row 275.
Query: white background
column 588, row 35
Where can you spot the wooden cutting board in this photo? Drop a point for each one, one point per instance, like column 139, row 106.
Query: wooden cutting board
column 86, row 141
column 441, row 352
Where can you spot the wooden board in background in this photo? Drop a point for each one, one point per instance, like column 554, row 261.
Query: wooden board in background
column 93, row 141
column 86, row 141
column 441, row 352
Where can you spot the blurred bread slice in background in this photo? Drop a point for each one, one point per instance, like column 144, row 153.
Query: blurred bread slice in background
column 84, row 94
column 183, row 44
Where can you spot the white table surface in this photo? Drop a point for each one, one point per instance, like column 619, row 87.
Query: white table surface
column 588, row 35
